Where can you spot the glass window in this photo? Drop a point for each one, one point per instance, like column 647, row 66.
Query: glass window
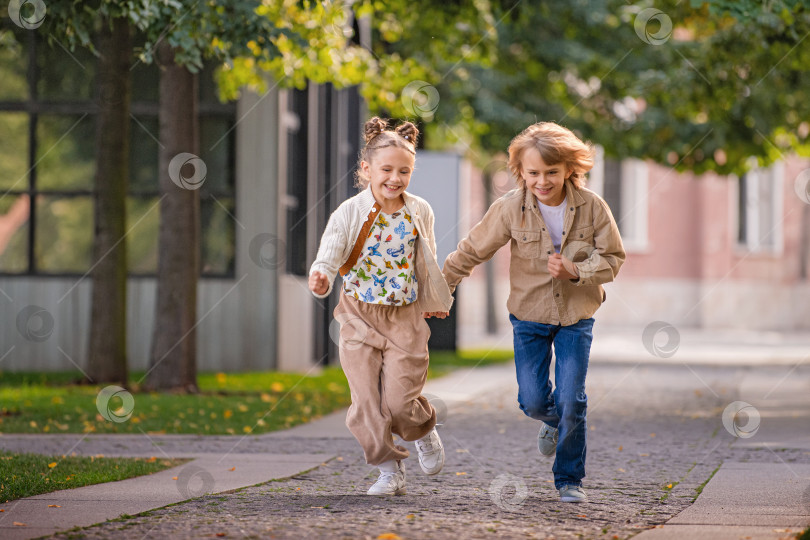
column 64, row 234
column 144, row 152
column 47, row 208
column 14, row 213
column 143, row 220
column 13, row 66
column 66, row 149
column 64, row 75
column 13, row 151
column 217, row 153
column 217, row 231
column 759, row 209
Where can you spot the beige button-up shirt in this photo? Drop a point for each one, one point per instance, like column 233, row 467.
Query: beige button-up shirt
column 590, row 238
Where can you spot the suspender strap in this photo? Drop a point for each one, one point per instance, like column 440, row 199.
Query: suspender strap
column 361, row 239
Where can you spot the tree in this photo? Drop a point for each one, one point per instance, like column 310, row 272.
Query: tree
column 111, row 21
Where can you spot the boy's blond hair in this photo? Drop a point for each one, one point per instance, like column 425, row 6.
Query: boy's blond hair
column 556, row 144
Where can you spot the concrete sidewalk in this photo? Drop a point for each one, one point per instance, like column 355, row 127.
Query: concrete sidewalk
column 218, row 472
column 690, row 345
column 728, row 509
column 49, row 513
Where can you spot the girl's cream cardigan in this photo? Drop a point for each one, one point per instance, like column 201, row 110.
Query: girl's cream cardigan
column 341, row 233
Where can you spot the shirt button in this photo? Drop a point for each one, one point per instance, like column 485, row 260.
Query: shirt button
column 557, row 295
column 580, row 236
column 524, row 238
column 550, row 254
column 572, row 208
column 563, row 233
column 543, row 230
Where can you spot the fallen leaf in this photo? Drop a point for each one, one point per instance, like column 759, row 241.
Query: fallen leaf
column 460, row 473
column 388, row 536
column 410, row 516
column 232, row 469
column 221, row 534
column 652, row 435
column 227, row 414
column 462, row 450
column 621, row 448
column 174, row 478
column 582, row 515
column 18, row 524
column 51, row 465
column 669, row 486
column 644, row 455
column 1, row 510
column 316, row 506
column 622, row 470
column 151, row 459
column 54, row 506
column 277, row 387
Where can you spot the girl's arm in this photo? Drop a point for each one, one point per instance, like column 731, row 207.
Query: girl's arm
column 604, row 262
column 331, row 254
column 489, row 235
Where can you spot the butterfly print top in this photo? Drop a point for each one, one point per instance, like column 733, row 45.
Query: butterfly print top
column 384, row 273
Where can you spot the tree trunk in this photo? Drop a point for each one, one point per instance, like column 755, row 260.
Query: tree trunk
column 173, row 359
column 107, row 361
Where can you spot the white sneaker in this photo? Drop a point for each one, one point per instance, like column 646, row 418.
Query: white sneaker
column 391, row 480
column 431, row 453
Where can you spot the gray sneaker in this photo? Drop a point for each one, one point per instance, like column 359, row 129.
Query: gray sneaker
column 572, row 494
column 547, row 440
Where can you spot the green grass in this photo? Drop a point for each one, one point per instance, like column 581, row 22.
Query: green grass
column 805, row 535
column 232, row 403
column 26, row 475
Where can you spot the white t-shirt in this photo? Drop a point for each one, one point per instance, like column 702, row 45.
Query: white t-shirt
column 553, row 216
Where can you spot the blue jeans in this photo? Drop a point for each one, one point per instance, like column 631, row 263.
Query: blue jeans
column 565, row 407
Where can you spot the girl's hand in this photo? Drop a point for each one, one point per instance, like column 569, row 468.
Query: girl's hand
column 318, row 283
column 438, row 314
column 561, row 267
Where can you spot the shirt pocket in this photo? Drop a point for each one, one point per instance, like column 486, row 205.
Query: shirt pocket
column 529, row 243
column 584, row 234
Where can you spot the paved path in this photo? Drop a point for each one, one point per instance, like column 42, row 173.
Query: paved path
column 650, row 426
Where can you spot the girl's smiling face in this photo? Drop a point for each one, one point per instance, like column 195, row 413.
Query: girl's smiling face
column 546, row 182
column 389, row 172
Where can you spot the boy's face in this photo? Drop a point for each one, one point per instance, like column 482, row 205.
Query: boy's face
column 546, row 182
column 389, row 171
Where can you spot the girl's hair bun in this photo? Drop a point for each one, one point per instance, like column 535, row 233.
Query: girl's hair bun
column 373, row 127
column 408, row 131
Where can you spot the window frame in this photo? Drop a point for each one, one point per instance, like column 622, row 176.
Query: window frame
column 34, row 107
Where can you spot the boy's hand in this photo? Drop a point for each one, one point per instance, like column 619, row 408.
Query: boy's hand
column 318, row 283
column 439, row 314
column 561, row 267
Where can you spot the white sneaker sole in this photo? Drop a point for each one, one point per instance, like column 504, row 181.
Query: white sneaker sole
column 400, row 491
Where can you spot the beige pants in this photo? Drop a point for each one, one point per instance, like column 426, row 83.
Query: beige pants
column 384, row 354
